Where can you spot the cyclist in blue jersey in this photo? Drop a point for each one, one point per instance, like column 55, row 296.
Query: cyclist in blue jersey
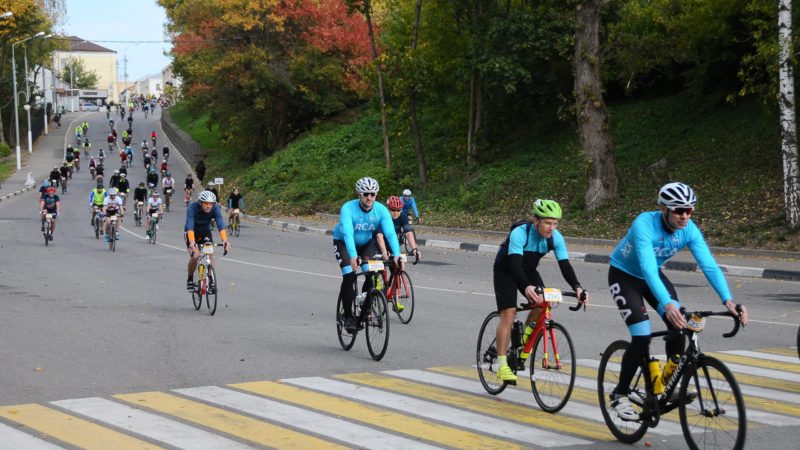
column 401, row 226
column 635, row 276
column 197, row 230
column 410, row 204
column 515, row 271
column 354, row 236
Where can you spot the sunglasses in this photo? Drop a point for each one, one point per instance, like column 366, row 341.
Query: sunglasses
column 682, row 211
column 369, row 194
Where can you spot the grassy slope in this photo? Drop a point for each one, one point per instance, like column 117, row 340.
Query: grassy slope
column 730, row 155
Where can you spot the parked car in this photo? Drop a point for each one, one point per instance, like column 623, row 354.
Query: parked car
column 89, row 107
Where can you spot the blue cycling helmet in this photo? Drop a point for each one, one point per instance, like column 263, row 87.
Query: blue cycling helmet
column 46, row 183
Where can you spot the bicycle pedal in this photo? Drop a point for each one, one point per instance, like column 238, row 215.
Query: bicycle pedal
column 512, row 383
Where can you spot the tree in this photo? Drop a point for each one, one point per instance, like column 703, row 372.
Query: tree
column 788, row 122
column 593, row 128
column 411, row 93
column 75, row 70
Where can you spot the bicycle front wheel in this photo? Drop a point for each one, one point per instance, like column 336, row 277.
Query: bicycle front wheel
column 486, row 355
column 377, row 325
column 211, row 291
column 154, row 233
column 407, row 245
column 403, row 295
column 237, row 227
column 197, row 296
column 552, row 385
column 713, row 416
column 112, row 238
column 607, row 379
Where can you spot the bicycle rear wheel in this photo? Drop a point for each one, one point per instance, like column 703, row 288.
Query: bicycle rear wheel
column 607, row 379
column 211, row 291
column 346, row 339
column 377, row 325
column 716, row 417
column 403, row 295
column 551, row 385
column 486, row 355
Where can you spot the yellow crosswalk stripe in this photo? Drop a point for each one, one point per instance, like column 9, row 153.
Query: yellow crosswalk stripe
column 756, row 362
column 70, row 429
column 227, row 422
column 780, row 351
column 482, row 405
column 396, row 422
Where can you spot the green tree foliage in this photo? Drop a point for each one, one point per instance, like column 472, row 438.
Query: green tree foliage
column 75, row 70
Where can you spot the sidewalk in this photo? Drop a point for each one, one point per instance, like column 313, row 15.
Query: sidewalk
column 48, row 151
column 751, row 263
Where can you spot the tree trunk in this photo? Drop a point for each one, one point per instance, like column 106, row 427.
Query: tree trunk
column 791, row 188
column 471, row 122
column 379, row 71
column 412, row 103
column 593, row 129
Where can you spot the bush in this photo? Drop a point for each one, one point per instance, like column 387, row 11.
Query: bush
column 5, row 150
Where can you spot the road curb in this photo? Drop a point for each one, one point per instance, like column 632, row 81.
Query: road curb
column 684, row 266
column 16, row 193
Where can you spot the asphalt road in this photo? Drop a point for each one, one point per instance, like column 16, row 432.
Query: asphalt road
column 78, row 321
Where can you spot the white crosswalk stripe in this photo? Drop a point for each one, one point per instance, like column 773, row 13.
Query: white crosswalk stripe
column 12, row 439
column 764, row 355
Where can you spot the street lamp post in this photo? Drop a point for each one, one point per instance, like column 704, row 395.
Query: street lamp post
column 16, row 100
column 44, row 100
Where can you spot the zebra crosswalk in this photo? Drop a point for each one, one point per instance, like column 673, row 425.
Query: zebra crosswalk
column 439, row 407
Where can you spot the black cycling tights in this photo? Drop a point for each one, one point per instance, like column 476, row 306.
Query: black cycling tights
column 347, row 292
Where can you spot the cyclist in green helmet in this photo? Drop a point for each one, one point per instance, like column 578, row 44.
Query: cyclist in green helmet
column 515, row 271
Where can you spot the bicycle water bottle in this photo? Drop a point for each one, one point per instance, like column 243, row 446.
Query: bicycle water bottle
column 655, row 376
column 360, row 299
column 516, row 333
column 669, row 368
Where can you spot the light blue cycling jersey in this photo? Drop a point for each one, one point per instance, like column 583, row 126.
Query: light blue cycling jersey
column 519, row 243
column 410, row 204
column 356, row 226
column 647, row 246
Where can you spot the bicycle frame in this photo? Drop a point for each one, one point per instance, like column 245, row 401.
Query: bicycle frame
column 543, row 320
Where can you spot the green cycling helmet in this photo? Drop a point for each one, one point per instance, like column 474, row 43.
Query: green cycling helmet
column 549, row 209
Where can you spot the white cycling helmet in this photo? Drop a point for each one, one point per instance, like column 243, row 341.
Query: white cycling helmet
column 207, row 196
column 367, row 184
column 677, row 195
column 407, row 192
column 113, row 191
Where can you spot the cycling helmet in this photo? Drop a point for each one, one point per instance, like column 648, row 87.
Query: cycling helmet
column 113, row 191
column 163, row 160
column 394, row 203
column 155, row 193
column 46, row 184
column 141, row 183
column 116, row 172
column 123, row 175
column 407, row 192
column 677, row 195
column 207, row 196
column 169, row 174
column 549, row 209
column 211, row 184
column 367, row 184
column 51, row 190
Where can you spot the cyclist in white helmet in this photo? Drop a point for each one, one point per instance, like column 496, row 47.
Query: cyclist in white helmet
column 409, row 204
column 635, row 277
column 354, row 236
column 197, row 230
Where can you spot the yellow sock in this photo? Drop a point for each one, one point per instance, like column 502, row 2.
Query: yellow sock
column 501, row 360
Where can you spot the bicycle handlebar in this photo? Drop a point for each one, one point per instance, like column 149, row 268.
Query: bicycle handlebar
column 530, row 305
column 581, row 302
column 736, row 318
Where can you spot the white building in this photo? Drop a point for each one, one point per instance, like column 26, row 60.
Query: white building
column 95, row 58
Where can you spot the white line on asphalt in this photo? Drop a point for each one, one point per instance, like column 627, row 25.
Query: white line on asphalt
column 11, row 438
column 441, row 413
column 147, row 424
column 767, row 356
column 314, row 422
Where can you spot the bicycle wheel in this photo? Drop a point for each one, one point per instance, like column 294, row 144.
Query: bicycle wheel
column 46, row 234
column 96, row 227
column 197, row 296
column 552, row 386
column 403, row 295
column 607, row 378
column 377, row 325
column 486, row 355
column 716, row 417
column 112, row 237
column 237, row 227
column 346, row 339
column 407, row 245
column 153, row 232
column 211, row 291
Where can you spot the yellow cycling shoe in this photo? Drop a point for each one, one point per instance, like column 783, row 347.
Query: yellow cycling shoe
column 505, row 374
column 398, row 307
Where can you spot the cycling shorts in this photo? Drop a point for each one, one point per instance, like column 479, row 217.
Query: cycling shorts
column 111, row 212
column 505, row 288
column 630, row 294
column 367, row 250
column 150, row 211
column 199, row 237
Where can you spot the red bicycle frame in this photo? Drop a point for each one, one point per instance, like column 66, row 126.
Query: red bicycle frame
column 548, row 335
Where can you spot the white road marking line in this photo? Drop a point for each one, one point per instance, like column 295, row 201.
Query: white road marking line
column 13, row 439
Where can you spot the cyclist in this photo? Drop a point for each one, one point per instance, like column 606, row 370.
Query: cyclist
column 635, row 276
column 112, row 206
column 188, row 186
column 410, row 204
column 197, row 230
column 55, row 176
column 354, row 236
column 69, row 159
column 165, row 150
column 78, row 131
column 114, row 180
column 213, row 189
column 168, row 182
column 401, row 225
column 147, row 161
column 99, row 170
column 111, row 139
column 139, row 195
column 130, row 119
column 124, row 186
column 64, row 173
column 515, row 270
column 154, row 154
column 163, row 166
column 76, row 155
column 153, row 137
column 154, row 205
column 152, row 176
column 43, row 189
column 235, row 201
column 96, row 197
column 85, row 127
column 50, row 204
column 123, row 157
column 129, row 151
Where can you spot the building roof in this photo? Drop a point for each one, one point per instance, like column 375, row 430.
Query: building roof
column 77, row 44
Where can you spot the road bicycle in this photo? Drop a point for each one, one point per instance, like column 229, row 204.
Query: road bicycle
column 400, row 291
column 206, row 279
column 552, row 355
column 153, row 230
column 234, row 225
column 92, row 172
column 711, row 407
column 138, row 213
column 370, row 309
column 187, row 196
column 112, row 232
column 97, row 221
column 63, row 185
column 404, row 242
column 48, row 228
column 167, row 197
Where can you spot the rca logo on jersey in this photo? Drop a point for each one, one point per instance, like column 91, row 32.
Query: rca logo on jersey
column 665, row 252
column 364, row 227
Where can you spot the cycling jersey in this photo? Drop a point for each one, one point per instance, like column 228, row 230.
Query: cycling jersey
column 235, row 201
column 64, row 171
column 112, row 205
column 55, row 174
column 648, row 245
column 124, row 186
column 401, row 224
column 50, row 202
column 409, row 204
column 356, row 226
column 97, row 196
column 199, row 220
column 152, row 178
column 167, row 182
column 140, row 194
column 188, row 183
column 154, row 204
